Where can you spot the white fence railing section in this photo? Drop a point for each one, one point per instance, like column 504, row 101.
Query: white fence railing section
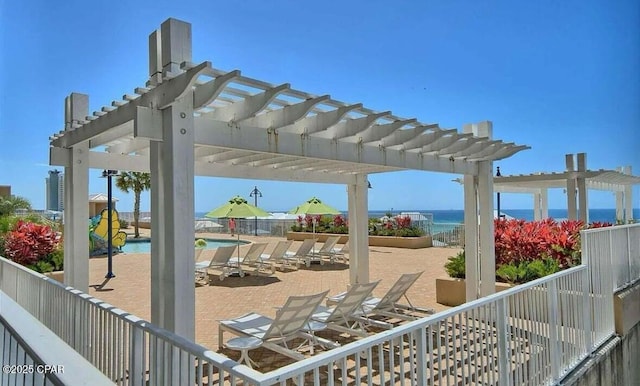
column 532, row 334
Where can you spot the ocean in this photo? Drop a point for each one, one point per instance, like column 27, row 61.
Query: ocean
column 457, row 216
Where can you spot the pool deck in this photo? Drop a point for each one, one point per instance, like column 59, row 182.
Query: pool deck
column 234, row 296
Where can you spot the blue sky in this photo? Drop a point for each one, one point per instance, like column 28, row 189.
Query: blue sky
column 561, row 77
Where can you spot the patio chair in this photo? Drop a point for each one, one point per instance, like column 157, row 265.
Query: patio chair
column 325, row 251
column 277, row 255
column 274, row 334
column 343, row 317
column 302, row 254
column 341, row 252
column 251, row 258
column 389, row 306
column 219, row 261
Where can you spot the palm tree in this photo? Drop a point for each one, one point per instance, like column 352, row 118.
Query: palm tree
column 9, row 205
column 136, row 182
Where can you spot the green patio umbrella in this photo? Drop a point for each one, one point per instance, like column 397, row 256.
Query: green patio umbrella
column 237, row 207
column 313, row 206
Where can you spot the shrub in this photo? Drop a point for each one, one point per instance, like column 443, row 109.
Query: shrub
column 200, row 243
column 455, row 266
column 35, row 246
column 124, row 224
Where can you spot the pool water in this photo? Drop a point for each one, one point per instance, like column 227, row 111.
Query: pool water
column 144, row 246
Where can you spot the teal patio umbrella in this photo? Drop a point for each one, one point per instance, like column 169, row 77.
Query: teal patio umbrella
column 237, row 207
column 313, row 206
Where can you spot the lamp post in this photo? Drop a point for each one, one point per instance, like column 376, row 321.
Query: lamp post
column 498, row 194
column 255, row 193
column 108, row 174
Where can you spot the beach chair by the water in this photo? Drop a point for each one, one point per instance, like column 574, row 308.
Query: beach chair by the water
column 274, row 334
column 219, row 262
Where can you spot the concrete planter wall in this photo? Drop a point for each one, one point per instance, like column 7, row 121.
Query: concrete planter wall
column 452, row 292
column 376, row 241
column 56, row 275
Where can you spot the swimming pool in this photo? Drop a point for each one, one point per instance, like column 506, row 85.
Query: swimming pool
column 144, row 246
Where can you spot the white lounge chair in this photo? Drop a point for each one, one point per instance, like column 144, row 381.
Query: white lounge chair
column 389, row 306
column 219, row 261
column 251, row 258
column 325, row 251
column 343, row 317
column 274, row 334
column 302, row 254
column 277, row 255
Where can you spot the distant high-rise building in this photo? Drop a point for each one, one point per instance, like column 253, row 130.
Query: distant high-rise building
column 55, row 191
column 5, row 190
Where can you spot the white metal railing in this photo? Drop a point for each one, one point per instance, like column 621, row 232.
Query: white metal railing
column 33, row 355
column 447, row 235
column 128, row 350
column 531, row 334
column 614, row 250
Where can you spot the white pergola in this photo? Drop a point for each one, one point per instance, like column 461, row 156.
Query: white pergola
column 192, row 119
column 576, row 182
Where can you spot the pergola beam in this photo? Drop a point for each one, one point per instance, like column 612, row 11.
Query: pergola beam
column 217, row 133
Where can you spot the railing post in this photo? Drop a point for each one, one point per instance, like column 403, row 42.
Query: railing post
column 554, row 349
column 502, row 329
column 136, row 357
column 421, row 357
column 587, row 311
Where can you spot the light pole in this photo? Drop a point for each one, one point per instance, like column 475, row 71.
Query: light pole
column 108, row 174
column 255, row 193
column 498, row 194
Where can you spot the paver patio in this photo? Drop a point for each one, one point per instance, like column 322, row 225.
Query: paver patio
column 234, row 296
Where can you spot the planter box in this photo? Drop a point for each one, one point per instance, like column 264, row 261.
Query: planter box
column 56, row 275
column 453, row 292
column 375, row 241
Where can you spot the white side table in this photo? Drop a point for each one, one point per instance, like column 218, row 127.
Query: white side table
column 244, row 344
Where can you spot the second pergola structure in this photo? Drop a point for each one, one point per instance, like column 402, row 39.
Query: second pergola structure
column 576, row 182
column 192, row 119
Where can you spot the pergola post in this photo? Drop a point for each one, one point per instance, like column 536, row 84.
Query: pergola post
column 571, row 188
column 358, row 230
column 480, row 252
column 628, row 198
column 620, row 218
column 172, row 193
column 544, row 203
column 487, row 241
column 581, row 183
column 76, row 199
column 471, row 237
column 537, row 213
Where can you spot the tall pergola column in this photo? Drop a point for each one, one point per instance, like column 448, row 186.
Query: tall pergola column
column 358, row 197
column 472, row 267
column 479, row 229
column 76, row 199
column 628, row 198
column 581, row 184
column 172, row 191
column 485, row 220
column 571, row 188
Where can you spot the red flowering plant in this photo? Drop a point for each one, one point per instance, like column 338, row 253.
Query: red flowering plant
column 34, row 245
column 527, row 250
